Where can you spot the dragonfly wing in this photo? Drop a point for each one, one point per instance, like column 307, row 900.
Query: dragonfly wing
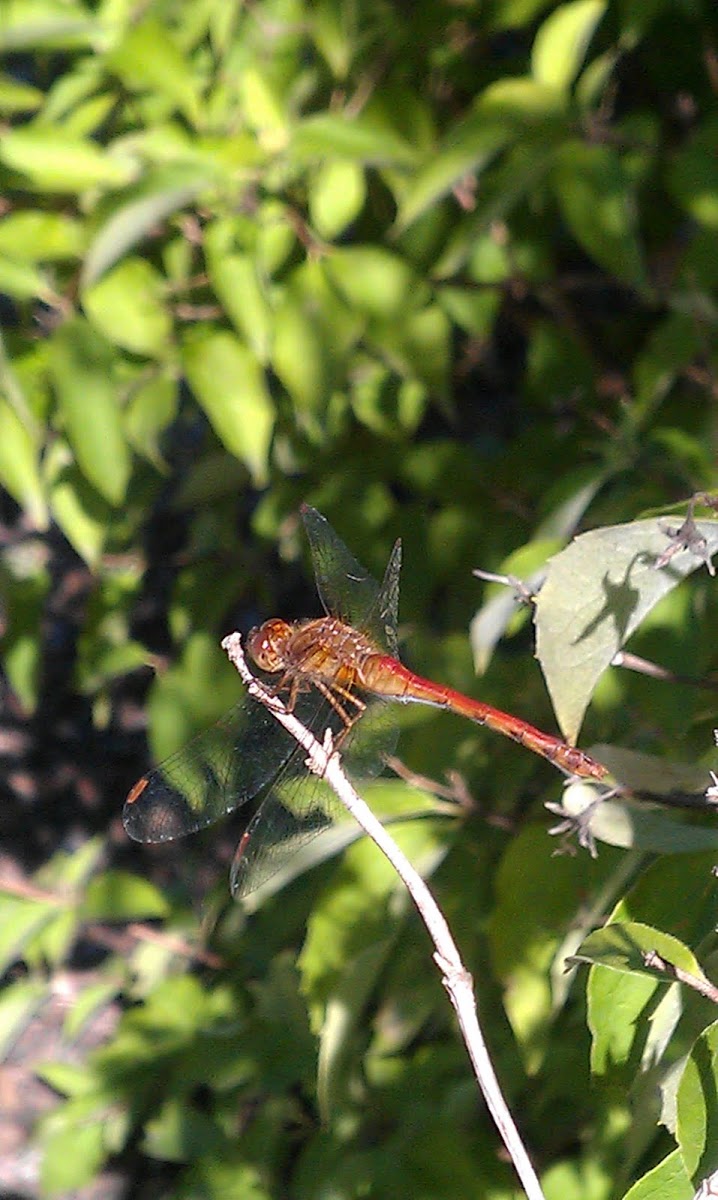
column 382, row 620
column 216, row 772
column 289, row 818
column 300, row 806
column 346, row 588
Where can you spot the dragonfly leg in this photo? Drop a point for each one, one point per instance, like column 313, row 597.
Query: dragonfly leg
column 291, row 685
column 331, row 694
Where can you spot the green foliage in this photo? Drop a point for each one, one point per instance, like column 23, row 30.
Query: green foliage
column 448, row 272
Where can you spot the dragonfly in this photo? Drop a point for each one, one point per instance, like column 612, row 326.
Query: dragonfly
column 335, row 672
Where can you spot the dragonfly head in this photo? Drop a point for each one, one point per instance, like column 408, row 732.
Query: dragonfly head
column 266, row 645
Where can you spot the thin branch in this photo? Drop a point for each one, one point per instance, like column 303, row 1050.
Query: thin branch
column 326, row 763
column 643, row 666
column 703, row 986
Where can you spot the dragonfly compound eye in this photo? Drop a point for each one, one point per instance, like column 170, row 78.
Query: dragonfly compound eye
column 266, row 645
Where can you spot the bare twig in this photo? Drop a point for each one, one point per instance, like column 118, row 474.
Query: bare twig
column 325, row 762
column 643, row 666
column 703, row 986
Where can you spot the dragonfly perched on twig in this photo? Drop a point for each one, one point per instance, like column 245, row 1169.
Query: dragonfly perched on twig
column 335, row 672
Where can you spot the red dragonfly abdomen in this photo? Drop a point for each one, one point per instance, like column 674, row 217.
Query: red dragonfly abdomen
column 386, row 676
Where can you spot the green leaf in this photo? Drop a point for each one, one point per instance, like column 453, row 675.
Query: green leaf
column 120, row 896
column 180, row 1133
column 597, row 592
column 24, row 592
column 363, row 139
column 82, row 515
column 597, row 197
column 673, row 343
column 47, row 25
column 82, row 368
column 300, row 356
column 616, row 1002
column 263, row 106
column 19, row 465
column 21, row 921
column 693, row 178
column 536, row 901
column 336, row 197
column 148, row 59
column 162, row 194
column 667, row 1181
column 351, row 915
column 697, row 1108
column 129, row 307
column 345, row 1013
column 419, row 347
column 41, row 236
column 230, row 386
column 19, row 1003
column 473, row 311
column 73, row 1142
column 69, row 1079
column 505, row 111
column 244, row 299
column 53, row 161
column 86, row 1005
column 561, row 43
column 16, row 97
column 333, row 31
column 389, row 407
column 376, row 282
column 151, row 410
column 622, row 947
column 23, row 281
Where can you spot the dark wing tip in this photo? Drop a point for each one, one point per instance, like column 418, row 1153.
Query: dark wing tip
column 151, row 813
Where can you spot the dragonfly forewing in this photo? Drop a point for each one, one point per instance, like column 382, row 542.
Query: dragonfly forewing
column 216, row 772
column 346, row 588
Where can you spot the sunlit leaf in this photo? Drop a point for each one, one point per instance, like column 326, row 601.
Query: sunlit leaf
column 597, row 592
column 129, row 223
column 375, row 281
column 148, row 57
column 623, row 947
column 697, row 1108
column 359, row 139
column 129, row 306
column 667, row 1181
column 337, row 197
column 300, row 356
column 19, row 1003
column 51, row 161
column 82, row 373
column 19, row 465
column 81, row 513
column 244, row 299
column 120, row 896
column 40, row 236
column 501, row 114
column 561, row 42
column 230, row 386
